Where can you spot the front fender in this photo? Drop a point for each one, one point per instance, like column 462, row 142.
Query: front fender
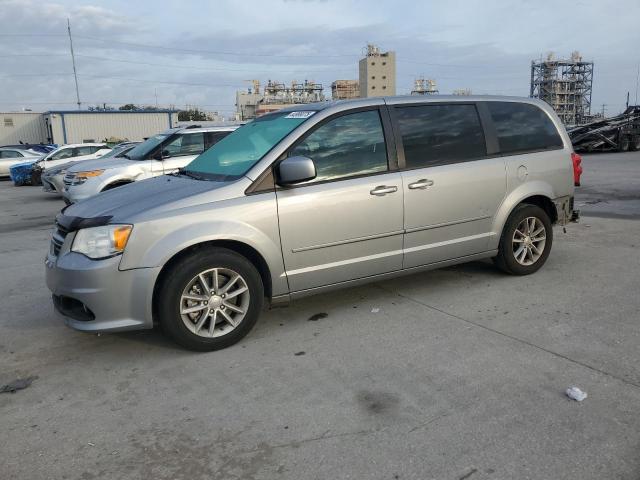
column 122, row 177
column 150, row 246
column 515, row 197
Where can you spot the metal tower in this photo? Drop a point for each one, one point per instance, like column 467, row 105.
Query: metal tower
column 565, row 85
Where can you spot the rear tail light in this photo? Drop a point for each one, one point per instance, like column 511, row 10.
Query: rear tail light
column 577, row 168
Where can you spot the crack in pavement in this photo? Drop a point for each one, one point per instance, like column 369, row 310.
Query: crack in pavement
column 324, row 436
column 519, row 340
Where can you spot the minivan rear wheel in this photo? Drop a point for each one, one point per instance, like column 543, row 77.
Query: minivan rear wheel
column 210, row 299
column 526, row 241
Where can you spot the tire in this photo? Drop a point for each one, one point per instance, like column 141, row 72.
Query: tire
column 192, row 328
column 509, row 246
column 36, row 178
column 635, row 143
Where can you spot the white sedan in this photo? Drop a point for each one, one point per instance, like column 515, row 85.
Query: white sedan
column 73, row 153
column 10, row 156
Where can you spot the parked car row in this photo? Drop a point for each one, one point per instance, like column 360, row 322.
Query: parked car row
column 159, row 155
column 77, row 172
column 305, row 200
column 12, row 155
column 29, row 171
column 53, row 177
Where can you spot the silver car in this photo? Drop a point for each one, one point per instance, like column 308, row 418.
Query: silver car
column 53, row 178
column 313, row 198
column 10, row 156
column 164, row 153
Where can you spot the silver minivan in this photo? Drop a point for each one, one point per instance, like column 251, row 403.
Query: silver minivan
column 312, row 198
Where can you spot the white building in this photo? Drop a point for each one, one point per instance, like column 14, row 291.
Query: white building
column 25, row 127
column 78, row 126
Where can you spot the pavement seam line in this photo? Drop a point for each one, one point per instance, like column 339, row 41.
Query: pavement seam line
column 525, row 342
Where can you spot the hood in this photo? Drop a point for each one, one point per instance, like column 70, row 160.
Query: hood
column 122, row 204
column 59, row 169
column 21, row 165
column 99, row 163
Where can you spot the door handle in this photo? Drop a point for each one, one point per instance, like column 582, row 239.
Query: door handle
column 381, row 190
column 421, row 184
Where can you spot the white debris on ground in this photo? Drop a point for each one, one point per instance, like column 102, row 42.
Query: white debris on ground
column 576, row 394
column 375, row 310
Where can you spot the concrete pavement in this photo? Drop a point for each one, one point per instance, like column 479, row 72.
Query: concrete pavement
column 460, row 374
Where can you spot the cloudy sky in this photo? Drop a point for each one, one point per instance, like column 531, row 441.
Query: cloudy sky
column 199, row 53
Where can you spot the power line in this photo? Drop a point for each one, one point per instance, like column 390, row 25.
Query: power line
column 191, row 67
column 18, row 55
column 260, row 55
column 211, row 52
column 43, row 75
column 144, row 80
column 33, row 34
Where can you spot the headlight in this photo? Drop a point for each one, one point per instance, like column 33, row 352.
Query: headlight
column 81, row 177
column 89, row 173
column 102, row 242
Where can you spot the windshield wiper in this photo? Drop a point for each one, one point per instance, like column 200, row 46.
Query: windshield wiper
column 188, row 173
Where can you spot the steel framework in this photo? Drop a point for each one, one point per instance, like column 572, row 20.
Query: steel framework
column 424, row 86
column 565, row 85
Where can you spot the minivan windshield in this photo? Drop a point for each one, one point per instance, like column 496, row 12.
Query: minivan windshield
column 142, row 151
column 235, row 154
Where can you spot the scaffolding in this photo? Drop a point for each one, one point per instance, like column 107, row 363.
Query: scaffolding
column 299, row 92
column 424, row 86
column 345, row 89
column 565, row 85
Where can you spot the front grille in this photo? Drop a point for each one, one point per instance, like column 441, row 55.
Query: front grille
column 57, row 239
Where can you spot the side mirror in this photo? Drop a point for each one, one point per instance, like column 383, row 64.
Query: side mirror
column 294, row 170
column 157, row 155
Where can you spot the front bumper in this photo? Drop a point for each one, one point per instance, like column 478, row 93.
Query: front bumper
column 93, row 295
column 77, row 193
column 52, row 184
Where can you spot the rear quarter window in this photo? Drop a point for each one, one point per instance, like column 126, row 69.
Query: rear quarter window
column 522, row 127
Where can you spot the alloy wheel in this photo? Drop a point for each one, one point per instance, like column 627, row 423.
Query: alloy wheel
column 529, row 241
column 214, row 302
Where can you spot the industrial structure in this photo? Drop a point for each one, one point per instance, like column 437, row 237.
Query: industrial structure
column 345, row 89
column 424, row 86
column 275, row 95
column 564, row 84
column 377, row 77
column 377, row 73
column 80, row 126
column 462, row 91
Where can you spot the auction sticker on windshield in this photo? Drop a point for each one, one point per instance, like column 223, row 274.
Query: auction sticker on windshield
column 305, row 114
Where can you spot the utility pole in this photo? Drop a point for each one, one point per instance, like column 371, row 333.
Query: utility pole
column 156, row 92
column 73, row 60
column 603, row 108
column 627, row 100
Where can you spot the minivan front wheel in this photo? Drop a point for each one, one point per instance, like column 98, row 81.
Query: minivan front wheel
column 526, row 241
column 210, row 299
